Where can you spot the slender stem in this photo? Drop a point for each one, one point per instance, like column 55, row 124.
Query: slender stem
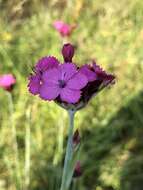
column 74, row 185
column 69, row 150
column 65, row 40
column 27, row 151
column 14, row 142
column 59, row 150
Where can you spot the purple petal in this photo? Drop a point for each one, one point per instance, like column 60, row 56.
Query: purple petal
column 77, row 82
column 46, row 63
column 91, row 75
column 101, row 74
column 67, row 70
column 97, row 68
column 68, row 52
column 34, row 84
column 51, row 76
column 69, row 95
column 49, row 92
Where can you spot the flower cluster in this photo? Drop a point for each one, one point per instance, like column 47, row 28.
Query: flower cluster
column 66, row 83
column 7, row 81
column 63, row 28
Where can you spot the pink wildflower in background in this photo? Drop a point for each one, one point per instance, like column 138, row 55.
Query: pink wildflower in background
column 63, row 28
column 7, row 81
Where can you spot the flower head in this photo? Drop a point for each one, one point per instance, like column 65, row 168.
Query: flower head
column 63, row 28
column 7, row 81
column 68, row 85
column 64, row 81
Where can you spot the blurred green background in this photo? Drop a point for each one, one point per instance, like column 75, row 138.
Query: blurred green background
column 112, row 124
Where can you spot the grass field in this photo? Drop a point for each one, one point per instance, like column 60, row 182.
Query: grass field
column 112, row 124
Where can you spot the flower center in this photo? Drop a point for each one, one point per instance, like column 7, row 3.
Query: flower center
column 62, row 83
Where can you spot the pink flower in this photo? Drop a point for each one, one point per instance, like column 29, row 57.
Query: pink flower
column 7, row 81
column 68, row 85
column 63, row 28
column 64, row 81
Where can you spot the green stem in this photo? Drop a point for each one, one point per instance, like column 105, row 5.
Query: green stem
column 27, row 151
column 59, row 150
column 74, row 185
column 14, row 143
column 69, row 150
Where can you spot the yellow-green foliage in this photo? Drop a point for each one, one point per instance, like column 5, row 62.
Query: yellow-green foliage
column 111, row 126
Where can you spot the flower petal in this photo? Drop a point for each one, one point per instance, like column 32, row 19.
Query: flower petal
column 63, row 28
column 91, row 75
column 77, row 82
column 69, row 95
column 46, row 63
column 58, row 24
column 34, row 84
column 67, row 71
column 51, row 76
column 49, row 92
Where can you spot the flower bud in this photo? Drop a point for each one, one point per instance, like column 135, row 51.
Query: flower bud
column 68, row 52
column 77, row 170
column 76, row 138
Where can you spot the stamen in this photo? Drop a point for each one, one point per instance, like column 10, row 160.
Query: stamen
column 62, row 83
